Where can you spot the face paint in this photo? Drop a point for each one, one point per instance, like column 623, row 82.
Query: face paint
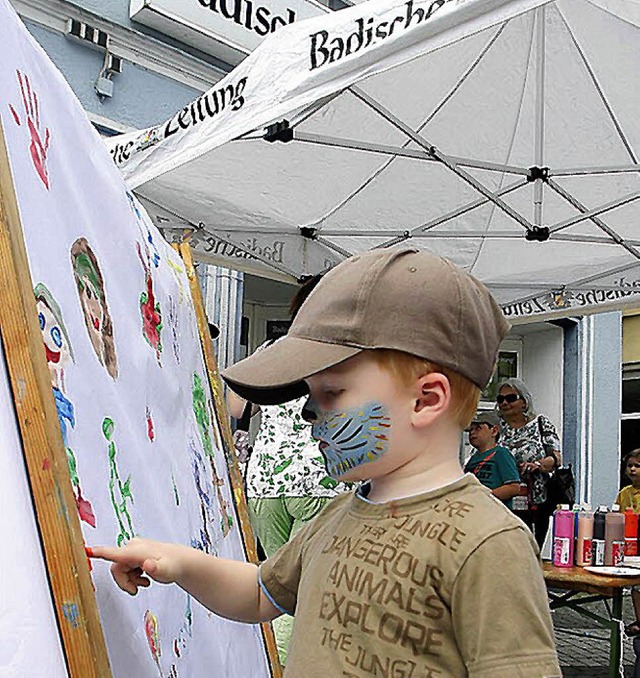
column 352, row 437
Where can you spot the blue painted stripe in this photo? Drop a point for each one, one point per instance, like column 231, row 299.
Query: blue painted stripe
column 270, row 597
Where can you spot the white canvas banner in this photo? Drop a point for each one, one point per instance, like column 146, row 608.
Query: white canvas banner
column 131, row 390
column 28, row 630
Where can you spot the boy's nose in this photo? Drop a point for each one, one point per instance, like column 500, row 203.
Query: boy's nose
column 310, row 411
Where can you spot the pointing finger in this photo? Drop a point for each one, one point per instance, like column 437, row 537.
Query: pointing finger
column 104, row 552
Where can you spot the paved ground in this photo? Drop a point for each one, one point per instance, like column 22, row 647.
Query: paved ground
column 583, row 648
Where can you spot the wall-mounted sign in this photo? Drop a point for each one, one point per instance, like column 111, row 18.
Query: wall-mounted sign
column 227, row 29
column 277, row 328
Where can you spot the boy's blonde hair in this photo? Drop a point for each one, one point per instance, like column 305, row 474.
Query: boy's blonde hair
column 407, row 368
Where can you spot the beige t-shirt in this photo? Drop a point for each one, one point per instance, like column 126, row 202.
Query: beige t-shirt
column 445, row 584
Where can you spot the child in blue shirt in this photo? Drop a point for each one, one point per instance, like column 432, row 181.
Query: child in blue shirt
column 492, row 464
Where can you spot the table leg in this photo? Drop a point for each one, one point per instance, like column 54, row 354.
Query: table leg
column 614, row 652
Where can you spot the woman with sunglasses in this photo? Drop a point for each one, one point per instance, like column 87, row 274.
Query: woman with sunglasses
column 535, row 445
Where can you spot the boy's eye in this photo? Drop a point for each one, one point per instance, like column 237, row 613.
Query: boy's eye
column 328, row 396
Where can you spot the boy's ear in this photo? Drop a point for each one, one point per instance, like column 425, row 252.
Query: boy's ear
column 433, row 397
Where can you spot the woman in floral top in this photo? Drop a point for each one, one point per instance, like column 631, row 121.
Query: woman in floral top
column 286, row 479
column 535, row 445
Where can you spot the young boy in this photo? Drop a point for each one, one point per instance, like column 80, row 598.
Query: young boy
column 419, row 573
column 629, row 498
column 492, row 464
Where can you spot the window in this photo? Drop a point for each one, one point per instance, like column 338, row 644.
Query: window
column 506, row 368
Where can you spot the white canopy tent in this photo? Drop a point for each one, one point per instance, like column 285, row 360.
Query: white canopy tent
column 502, row 134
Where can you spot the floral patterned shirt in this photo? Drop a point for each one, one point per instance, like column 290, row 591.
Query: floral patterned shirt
column 286, row 461
column 531, row 442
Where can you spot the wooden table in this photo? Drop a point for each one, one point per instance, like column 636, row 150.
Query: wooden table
column 575, row 581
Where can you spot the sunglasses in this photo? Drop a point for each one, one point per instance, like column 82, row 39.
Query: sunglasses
column 509, row 398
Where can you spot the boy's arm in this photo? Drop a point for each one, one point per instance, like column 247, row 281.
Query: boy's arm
column 236, row 405
column 509, row 476
column 227, row 587
column 506, row 491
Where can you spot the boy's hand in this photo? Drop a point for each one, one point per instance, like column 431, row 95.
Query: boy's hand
column 160, row 561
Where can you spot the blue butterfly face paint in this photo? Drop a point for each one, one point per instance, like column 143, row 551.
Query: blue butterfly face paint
column 352, row 437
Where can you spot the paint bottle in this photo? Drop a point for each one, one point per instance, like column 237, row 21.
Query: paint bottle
column 614, row 537
column 584, row 541
column 563, row 535
column 597, row 549
column 630, row 533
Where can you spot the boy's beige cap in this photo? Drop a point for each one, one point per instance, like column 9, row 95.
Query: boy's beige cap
column 402, row 298
column 488, row 417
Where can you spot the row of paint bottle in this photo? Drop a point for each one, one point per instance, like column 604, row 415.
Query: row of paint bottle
column 582, row 537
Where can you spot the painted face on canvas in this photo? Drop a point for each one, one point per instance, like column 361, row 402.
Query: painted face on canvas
column 94, row 305
column 55, row 344
column 358, row 418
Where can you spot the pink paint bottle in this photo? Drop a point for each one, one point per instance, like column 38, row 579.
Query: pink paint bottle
column 584, row 541
column 614, row 537
column 563, row 536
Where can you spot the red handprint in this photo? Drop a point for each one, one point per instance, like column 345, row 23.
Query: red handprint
column 38, row 147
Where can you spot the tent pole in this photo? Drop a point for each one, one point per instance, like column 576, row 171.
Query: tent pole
column 199, row 228
column 599, row 89
column 384, row 149
column 416, row 232
column 443, row 158
column 628, row 245
column 538, row 186
column 629, row 197
column 608, row 169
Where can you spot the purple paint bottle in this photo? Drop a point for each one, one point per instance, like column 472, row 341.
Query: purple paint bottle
column 599, row 519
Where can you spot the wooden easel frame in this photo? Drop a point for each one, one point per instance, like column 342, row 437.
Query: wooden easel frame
column 45, row 457
column 222, row 413
column 68, row 572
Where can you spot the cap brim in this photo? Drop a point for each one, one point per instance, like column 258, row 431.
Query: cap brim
column 484, row 421
column 275, row 374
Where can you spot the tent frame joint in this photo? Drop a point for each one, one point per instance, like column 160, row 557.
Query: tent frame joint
column 279, row 131
column 309, row 232
column 536, row 173
column 538, row 234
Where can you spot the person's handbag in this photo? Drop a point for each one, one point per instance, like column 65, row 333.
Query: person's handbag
column 561, row 488
column 241, row 440
column 538, row 483
column 561, row 484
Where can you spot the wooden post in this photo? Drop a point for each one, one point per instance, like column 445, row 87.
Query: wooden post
column 45, row 457
column 225, row 428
